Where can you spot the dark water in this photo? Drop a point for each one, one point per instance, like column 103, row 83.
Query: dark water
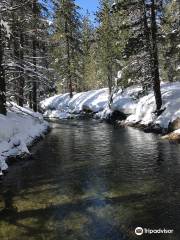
column 92, row 181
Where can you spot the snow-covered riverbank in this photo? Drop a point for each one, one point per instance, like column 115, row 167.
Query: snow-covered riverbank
column 96, row 101
column 138, row 110
column 18, row 130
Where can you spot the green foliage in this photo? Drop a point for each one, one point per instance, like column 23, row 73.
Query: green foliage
column 169, row 47
column 66, row 38
column 120, row 41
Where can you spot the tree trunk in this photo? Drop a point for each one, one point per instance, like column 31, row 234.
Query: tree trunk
column 155, row 60
column 170, row 70
column 108, row 57
column 34, row 84
column 21, row 79
column 2, row 79
column 34, row 90
column 110, row 85
column 18, row 42
column 30, row 100
column 147, row 63
column 68, row 61
column 16, row 47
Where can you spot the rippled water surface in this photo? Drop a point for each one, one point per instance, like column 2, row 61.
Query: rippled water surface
column 92, row 181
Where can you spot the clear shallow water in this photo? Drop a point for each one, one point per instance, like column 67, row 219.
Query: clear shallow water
column 92, row 181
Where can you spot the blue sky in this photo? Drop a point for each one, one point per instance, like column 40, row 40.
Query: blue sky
column 90, row 5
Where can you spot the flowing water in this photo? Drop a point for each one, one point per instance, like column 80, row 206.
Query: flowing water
column 92, row 181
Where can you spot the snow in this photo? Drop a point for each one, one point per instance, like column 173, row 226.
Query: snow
column 119, row 74
column 128, row 101
column 96, row 101
column 6, row 27
column 177, row 131
column 62, row 106
column 52, row 103
column 146, row 106
column 57, row 114
column 17, row 131
column 104, row 114
column 124, row 101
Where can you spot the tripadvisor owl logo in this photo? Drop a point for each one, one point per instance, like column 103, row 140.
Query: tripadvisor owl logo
column 139, row 231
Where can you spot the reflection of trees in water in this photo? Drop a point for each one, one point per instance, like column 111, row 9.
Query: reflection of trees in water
column 160, row 153
column 8, row 201
column 69, row 215
column 10, row 210
column 66, row 218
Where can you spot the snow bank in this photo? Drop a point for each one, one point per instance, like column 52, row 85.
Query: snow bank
column 146, row 106
column 18, row 130
column 55, row 102
column 57, row 114
column 62, row 106
column 125, row 101
column 128, row 101
column 96, row 101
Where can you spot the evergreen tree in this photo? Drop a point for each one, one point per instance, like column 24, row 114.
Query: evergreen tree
column 141, row 47
column 25, row 72
column 106, row 46
column 88, row 57
column 67, row 45
column 2, row 74
column 154, row 58
column 170, row 35
column 4, row 38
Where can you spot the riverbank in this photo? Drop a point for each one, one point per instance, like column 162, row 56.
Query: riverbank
column 128, row 105
column 18, row 131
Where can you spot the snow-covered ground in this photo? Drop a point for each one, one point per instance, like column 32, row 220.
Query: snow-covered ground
column 138, row 109
column 62, row 106
column 17, row 131
column 146, row 106
column 96, row 101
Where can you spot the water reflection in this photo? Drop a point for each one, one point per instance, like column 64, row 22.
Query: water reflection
column 90, row 181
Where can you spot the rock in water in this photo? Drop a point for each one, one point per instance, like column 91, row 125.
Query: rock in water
column 174, row 125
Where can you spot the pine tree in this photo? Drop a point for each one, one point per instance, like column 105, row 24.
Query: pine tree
column 67, row 45
column 4, row 37
column 88, row 66
column 154, row 59
column 35, row 12
column 105, row 36
column 17, row 25
column 170, row 35
column 25, row 72
column 2, row 75
column 141, row 47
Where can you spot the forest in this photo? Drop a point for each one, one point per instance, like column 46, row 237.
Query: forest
column 48, row 47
